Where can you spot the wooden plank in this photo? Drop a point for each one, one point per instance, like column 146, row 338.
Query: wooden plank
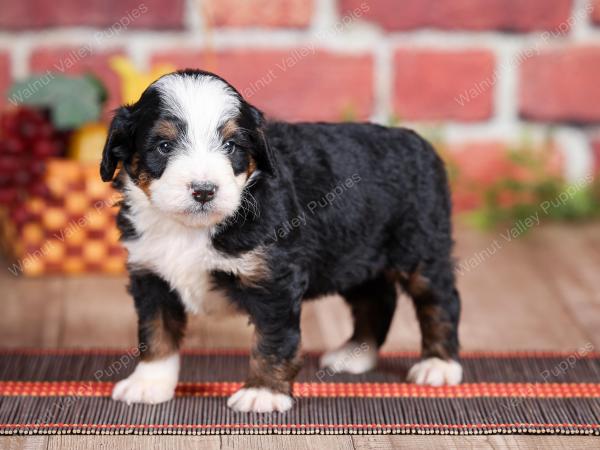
column 98, row 312
column 428, row 442
column 134, row 442
column 333, row 319
column 507, row 302
column 222, row 332
column 31, row 311
column 23, row 442
column 473, row 442
column 284, row 442
column 544, row 442
column 569, row 265
column 373, row 442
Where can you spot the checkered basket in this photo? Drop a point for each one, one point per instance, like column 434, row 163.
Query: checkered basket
column 71, row 231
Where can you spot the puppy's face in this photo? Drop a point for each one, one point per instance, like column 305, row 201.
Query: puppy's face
column 192, row 145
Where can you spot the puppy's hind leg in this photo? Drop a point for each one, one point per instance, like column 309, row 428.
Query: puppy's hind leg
column 437, row 304
column 373, row 304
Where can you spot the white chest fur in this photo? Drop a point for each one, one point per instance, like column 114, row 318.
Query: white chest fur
column 182, row 256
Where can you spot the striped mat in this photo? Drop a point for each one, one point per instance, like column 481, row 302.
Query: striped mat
column 59, row 392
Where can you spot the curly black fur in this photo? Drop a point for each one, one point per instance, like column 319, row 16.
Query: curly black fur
column 348, row 208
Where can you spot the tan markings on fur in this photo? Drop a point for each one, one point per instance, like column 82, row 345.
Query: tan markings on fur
column 255, row 268
column 435, row 331
column 229, row 129
column 166, row 129
column 142, row 179
column 163, row 335
column 162, row 341
column 266, row 371
column 414, row 283
column 251, row 166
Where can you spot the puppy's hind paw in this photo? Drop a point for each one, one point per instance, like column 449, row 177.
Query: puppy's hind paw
column 436, row 372
column 352, row 357
column 260, row 400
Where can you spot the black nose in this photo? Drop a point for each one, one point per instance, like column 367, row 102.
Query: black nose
column 203, row 192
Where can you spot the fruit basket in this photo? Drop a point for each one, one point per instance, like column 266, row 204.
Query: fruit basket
column 69, row 230
column 56, row 215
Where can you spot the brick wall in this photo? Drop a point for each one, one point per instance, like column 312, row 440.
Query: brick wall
column 480, row 74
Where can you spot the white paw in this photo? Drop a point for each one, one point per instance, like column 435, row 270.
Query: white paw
column 351, row 357
column 150, row 382
column 436, row 372
column 261, row 400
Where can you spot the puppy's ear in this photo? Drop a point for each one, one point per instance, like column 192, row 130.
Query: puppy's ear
column 118, row 145
column 265, row 158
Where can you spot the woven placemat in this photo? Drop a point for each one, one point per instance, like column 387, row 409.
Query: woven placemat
column 68, row 392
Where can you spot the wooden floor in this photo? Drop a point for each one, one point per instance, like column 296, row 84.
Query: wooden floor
column 539, row 291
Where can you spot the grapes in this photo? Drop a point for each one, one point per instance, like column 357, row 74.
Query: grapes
column 27, row 140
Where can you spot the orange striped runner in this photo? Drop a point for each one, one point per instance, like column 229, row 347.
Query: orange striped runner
column 370, row 390
column 536, row 354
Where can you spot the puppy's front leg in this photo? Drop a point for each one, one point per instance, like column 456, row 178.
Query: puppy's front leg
column 161, row 323
column 274, row 360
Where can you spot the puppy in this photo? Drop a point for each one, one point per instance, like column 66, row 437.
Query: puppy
column 223, row 211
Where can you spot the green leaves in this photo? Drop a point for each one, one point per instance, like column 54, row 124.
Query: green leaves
column 72, row 101
column 550, row 197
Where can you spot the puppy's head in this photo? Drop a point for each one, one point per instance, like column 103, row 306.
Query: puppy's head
column 192, row 145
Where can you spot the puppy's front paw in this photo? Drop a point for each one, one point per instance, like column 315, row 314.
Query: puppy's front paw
column 151, row 382
column 138, row 390
column 261, row 400
column 352, row 357
column 436, row 372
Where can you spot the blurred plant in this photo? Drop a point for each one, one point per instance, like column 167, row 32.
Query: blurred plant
column 133, row 81
column 71, row 100
column 393, row 120
column 349, row 113
column 532, row 182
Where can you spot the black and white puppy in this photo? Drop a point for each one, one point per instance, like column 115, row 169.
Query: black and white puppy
column 223, row 211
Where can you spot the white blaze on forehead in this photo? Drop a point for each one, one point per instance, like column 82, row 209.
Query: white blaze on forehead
column 203, row 102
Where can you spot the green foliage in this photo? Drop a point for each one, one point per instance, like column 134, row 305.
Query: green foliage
column 541, row 192
column 349, row 113
column 72, row 101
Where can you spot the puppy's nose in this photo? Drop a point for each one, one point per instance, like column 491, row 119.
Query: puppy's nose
column 203, row 192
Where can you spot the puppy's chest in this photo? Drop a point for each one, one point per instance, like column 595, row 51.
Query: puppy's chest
column 185, row 258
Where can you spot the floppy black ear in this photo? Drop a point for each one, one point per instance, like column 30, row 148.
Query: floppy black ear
column 265, row 158
column 118, row 143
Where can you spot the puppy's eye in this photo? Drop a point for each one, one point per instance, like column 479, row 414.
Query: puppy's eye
column 229, row 147
column 164, row 147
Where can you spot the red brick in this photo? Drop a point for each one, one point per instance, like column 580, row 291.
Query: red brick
column 436, row 85
column 119, row 14
column 62, row 61
column 318, row 86
column 595, row 11
column 258, row 13
column 562, row 85
column 506, row 15
column 4, row 76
